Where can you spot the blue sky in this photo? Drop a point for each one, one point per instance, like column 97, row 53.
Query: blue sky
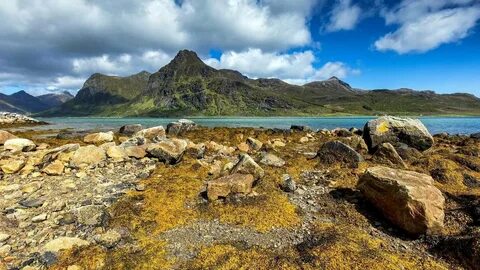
column 55, row 45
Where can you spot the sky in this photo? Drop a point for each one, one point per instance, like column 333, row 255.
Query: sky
column 55, row 45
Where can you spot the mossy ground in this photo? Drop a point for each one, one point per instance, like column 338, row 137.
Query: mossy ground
column 343, row 236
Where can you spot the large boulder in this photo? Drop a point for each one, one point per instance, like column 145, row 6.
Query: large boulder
column 246, row 165
column 180, row 126
column 5, row 136
column 229, row 184
column 408, row 199
column 151, row 133
column 397, row 130
column 88, row 155
column 19, row 145
column 169, row 151
column 130, row 129
column 336, row 151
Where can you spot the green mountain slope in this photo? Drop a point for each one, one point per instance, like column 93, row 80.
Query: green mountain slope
column 187, row 86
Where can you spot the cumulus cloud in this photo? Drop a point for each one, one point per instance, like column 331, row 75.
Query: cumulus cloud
column 427, row 24
column 344, row 16
column 297, row 68
column 45, row 40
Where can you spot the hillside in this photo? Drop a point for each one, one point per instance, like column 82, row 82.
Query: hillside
column 21, row 102
column 55, row 99
column 187, row 86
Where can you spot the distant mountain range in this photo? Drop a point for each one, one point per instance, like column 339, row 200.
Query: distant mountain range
column 22, row 102
column 188, row 87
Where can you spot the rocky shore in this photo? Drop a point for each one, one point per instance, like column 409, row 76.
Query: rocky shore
column 8, row 119
column 390, row 196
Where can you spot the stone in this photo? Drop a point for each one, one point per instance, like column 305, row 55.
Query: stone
column 246, row 165
column 134, row 141
column 100, row 137
column 243, row 147
column 19, row 145
column 356, row 142
column 278, row 144
column 108, row 239
column 342, row 132
column 396, row 130
column 254, row 144
column 87, row 155
column 288, row 184
column 230, row 184
column 475, row 135
column 32, row 202
column 169, row 151
column 387, row 155
column 130, row 129
column 4, row 237
column 179, row 127
column 303, row 140
column 40, row 218
column 150, row 133
column 408, row 199
column 135, row 152
column 91, row 215
column 300, row 128
column 116, row 153
column 5, row 136
column 63, row 243
column 336, row 151
column 196, row 150
column 272, row 160
column 5, row 250
column 54, row 168
column 55, row 153
column 11, row 166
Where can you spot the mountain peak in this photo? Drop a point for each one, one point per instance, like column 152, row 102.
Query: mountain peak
column 187, row 57
column 186, row 63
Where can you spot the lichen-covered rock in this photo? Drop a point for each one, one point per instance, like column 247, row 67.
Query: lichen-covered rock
column 54, row 168
column 91, row 215
column 408, row 199
column 356, row 142
column 151, row 133
column 62, row 243
column 180, row 126
column 135, row 152
column 229, row 184
column 87, row 155
column 5, row 136
column 272, row 160
column 108, row 239
column 254, row 144
column 336, row 151
column 246, row 165
column 100, row 137
column 53, row 154
column 396, row 130
column 11, row 166
column 116, row 152
column 130, row 129
column 386, row 154
column 19, row 145
column 169, row 151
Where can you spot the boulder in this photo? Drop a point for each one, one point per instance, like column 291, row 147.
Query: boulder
column 130, row 129
column 5, row 136
column 54, row 168
column 53, row 154
column 169, row 151
column 386, row 154
column 151, row 133
column 300, row 128
column 19, row 145
column 135, row 152
column 230, row 184
column 69, row 135
column 116, row 152
column 100, row 137
column 87, row 155
column 254, row 144
column 246, row 165
column 396, row 130
column 356, row 142
column 180, row 126
column 62, row 243
column 134, row 141
column 272, row 160
column 336, row 151
column 408, row 199
column 11, row 166
column 475, row 135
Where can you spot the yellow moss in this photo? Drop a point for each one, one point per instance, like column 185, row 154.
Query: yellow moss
column 383, row 127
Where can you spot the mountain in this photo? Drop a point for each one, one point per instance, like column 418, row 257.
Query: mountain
column 55, row 99
column 187, row 86
column 21, row 102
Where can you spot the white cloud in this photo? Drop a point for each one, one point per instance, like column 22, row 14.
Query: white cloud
column 426, row 25
column 345, row 16
column 297, row 68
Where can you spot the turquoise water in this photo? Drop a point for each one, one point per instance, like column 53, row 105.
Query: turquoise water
column 452, row 125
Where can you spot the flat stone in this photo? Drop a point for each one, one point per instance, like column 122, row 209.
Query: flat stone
column 32, row 203
column 63, row 243
column 40, row 218
column 19, row 145
column 54, row 168
column 229, row 184
column 11, row 166
column 272, row 160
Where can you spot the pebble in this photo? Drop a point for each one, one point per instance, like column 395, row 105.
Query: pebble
column 40, row 218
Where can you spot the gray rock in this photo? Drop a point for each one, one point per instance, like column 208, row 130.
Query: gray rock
column 169, row 151
column 130, row 129
column 91, row 215
column 335, row 151
column 396, row 130
column 475, row 135
column 288, row 184
column 300, row 128
column 272, row 160
column 246, row 165
column 180, row 126
column 33, row 202
column 386, row 154
column 108, row 239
